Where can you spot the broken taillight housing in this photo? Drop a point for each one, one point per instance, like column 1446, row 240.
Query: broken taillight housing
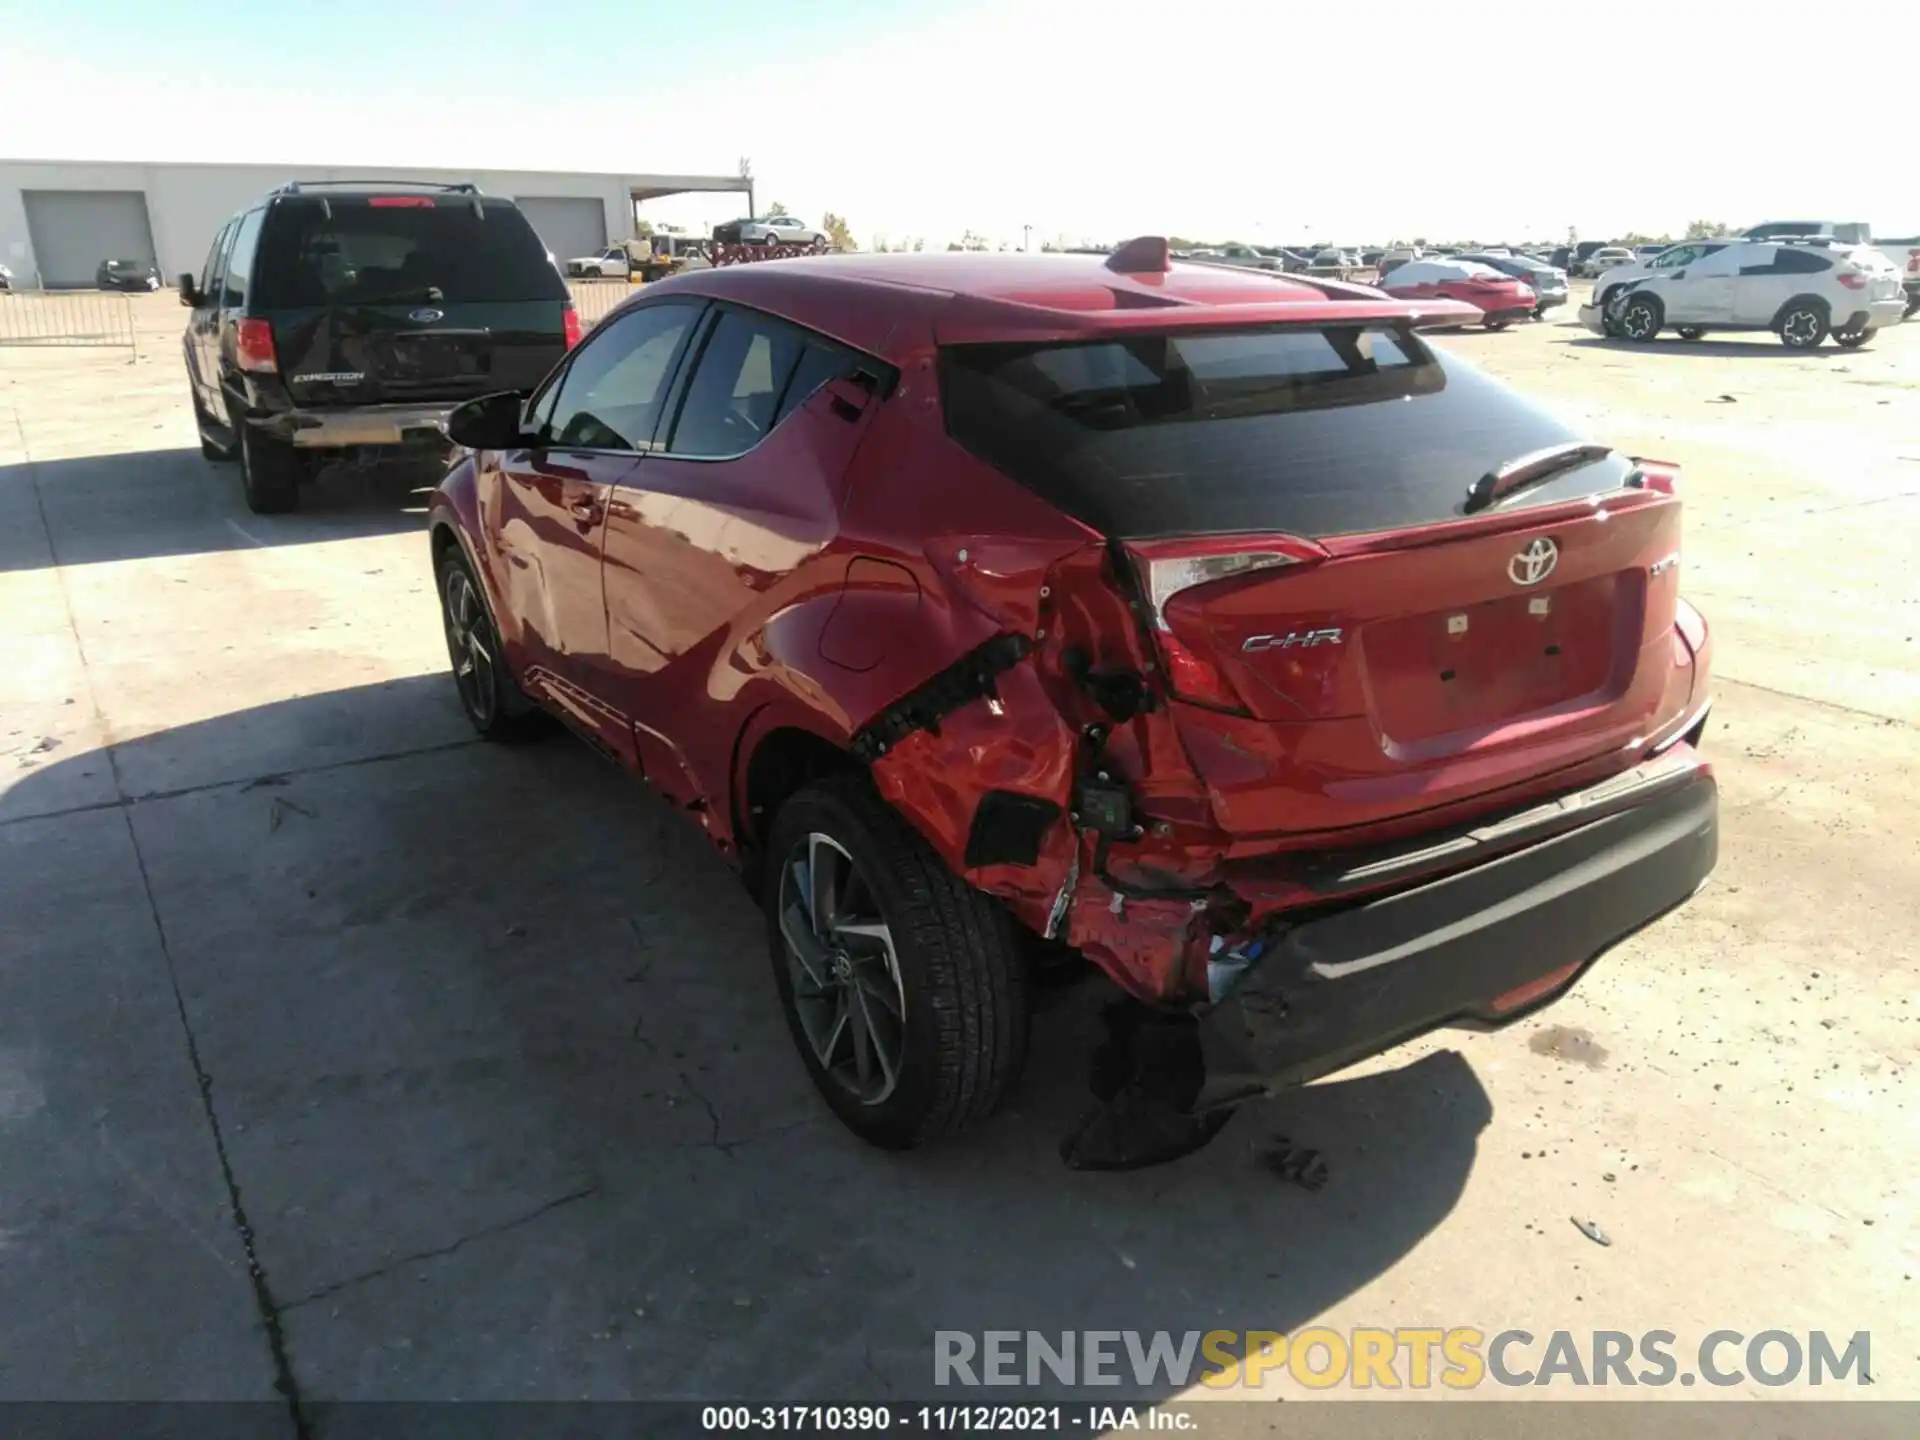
column 1166, row 573
column 1660, row 476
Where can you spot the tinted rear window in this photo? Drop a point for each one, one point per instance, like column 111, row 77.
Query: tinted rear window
column 338, row 250
column 1308, row 431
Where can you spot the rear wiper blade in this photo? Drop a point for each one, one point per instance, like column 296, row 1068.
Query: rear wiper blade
column 1530, row 469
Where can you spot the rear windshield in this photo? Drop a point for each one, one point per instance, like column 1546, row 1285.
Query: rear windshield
column 338, row 250
column 1308, row 431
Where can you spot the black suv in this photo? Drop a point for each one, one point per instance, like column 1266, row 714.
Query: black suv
column 331, row 318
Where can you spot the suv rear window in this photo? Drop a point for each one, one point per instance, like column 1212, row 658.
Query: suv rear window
column 346, row 250
column 1310, row 431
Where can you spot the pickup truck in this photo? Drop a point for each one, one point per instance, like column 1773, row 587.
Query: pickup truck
column 612, row 262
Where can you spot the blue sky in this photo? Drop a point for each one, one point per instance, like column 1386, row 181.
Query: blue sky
column 1082, row 118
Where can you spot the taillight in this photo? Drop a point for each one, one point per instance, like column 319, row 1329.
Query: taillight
column 1852, row 279
column 1190, row 674
column 253, row 346
column 570, row 322
column 400, row 202
column 1660, row 476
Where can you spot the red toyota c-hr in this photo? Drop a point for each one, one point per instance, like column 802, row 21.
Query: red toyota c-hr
column 1315, row 686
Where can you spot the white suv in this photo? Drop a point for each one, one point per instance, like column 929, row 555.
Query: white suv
column 1801, row 290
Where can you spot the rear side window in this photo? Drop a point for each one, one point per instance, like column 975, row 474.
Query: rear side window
column 246, row 241
column 1800, row 262
column 346, row 250
column 1308, row 431
column 821, row 362
column 734, row 396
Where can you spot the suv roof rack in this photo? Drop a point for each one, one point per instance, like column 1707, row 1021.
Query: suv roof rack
column 457, row 187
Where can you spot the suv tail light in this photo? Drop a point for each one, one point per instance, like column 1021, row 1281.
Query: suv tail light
column 1852, row 279
column 1189, row 673
column 253, row 346
column 570, row 322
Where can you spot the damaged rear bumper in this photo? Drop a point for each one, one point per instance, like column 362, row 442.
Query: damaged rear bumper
column 1481, row 946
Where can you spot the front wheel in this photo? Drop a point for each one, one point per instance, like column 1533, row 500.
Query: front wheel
column 904, row 987
column 1803, row 327
column 495, row 705
column 1609, row 316
column 1690, row 332
column 1854, row 336
column 1640, row 319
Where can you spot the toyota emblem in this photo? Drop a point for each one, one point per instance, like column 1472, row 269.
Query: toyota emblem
column 1535, row 563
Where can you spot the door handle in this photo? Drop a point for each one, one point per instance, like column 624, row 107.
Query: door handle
column 585, row 511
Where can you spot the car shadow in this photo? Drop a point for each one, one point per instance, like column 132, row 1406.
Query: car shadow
column 1762, row 344
column 493, row 1040
column 149, row 503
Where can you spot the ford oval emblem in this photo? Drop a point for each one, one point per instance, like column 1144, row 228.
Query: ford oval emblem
column 427, row 316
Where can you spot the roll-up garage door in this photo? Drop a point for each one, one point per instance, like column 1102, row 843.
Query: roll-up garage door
column 571, row 225
column 74, row 230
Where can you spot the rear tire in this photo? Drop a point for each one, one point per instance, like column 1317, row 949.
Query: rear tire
column 1690, row 332
column 270, row 472
column 944, row 953
column 1802, row 325
column 1497, row 324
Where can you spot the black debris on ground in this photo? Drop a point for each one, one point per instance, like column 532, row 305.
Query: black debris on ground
column 1296, row 1163
column 1592, row 1231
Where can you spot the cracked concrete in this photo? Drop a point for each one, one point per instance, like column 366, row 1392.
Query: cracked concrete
column 476, row 1052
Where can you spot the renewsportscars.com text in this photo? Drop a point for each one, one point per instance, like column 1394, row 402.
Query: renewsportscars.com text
column 1413, row 1358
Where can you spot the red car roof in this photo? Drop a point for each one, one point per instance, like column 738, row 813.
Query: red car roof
column 892, row 305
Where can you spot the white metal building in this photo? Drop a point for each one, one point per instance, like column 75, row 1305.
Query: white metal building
column 60, row 218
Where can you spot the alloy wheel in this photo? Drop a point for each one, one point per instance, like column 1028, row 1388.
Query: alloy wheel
column 468, row 647
column 1802, row 327
column 844, row 970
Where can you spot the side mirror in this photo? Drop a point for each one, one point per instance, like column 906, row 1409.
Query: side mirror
column 490, row 423
column 189, row 291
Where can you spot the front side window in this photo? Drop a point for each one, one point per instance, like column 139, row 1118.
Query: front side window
column 609, row 397
column 735, row 392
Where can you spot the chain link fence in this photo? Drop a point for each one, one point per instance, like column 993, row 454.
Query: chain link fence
column 66, row 318
column 594, row 298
